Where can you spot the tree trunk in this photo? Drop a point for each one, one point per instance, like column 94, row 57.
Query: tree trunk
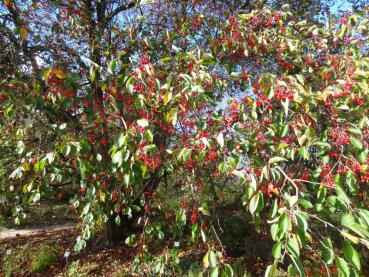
column 114, row 233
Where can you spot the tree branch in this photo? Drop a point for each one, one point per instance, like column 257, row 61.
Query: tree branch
column 118, row 10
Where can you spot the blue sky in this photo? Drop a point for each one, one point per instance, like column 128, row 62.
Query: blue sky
column 340, row 5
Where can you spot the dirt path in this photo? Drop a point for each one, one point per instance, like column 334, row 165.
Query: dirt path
column 11, row 233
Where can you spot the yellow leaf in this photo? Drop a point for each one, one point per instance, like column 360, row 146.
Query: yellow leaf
column 325, row 96
column 26, row 166
column 245, row 16
column 342, row 31
column 23, row 32
column 171, row 116
column 59, row 73
column 205, row 261
column 46, row 74
column 249, row 100
column 167, row 97
column 350, row 237
column 364, row 168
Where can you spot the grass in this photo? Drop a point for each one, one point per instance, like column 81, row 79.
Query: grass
column 13, row 261
column 43, row 257
column 78, row 269
column 37, row 259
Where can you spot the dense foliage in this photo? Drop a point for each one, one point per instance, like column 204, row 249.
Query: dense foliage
column 110, row 111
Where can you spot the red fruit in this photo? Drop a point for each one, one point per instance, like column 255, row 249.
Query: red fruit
column 184, row 205
column 212, row 155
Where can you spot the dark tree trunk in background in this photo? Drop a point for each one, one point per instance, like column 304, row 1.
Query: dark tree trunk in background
column 114, row 233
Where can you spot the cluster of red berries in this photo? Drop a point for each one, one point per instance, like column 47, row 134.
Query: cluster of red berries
column 151, row 162
column 339, row 137
column 193, row 217
column 270, row 189
column 282, row 94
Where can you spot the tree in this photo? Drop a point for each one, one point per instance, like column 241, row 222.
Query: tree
column 112, row 113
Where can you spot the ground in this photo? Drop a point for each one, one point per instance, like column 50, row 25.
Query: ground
column 54, row 229
column 96, row 260
column 43, row 246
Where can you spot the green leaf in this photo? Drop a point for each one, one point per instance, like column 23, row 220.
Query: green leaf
column 293, row 246
column 214, row 272
column 362, row 156
column 348, row 220
column 356, row 143
column 364, row 215
column 274, row 209
column 304, row 153
column 269, row 271
column 117, row 158
column 66, row 150
column 130, row 240
column 165, row 59
column 126, row 178
column 283, row 225
column 277, row 160
column 343, row 266
column 228, row 270
column 351, row 255
column 301, row 222
column 240, row 175
column 136, row 208
column 256, row 203
column 284, row 131
column 277, row 249
column 160, row 235
column 200, row 156
column 212, row 259
column 274, row 229
column 150, row 148
column 195, row 231
column 143, row 122
column 112, row 66
column 305, row 203
column 327, row 250
column 117, row 220
column 122, row 139
column 323, row 144
column 299, row 266
column 149, row 136
column 340, row 191
column 355, row 131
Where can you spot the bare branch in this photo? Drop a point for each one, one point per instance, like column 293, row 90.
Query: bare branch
column 120, row 9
